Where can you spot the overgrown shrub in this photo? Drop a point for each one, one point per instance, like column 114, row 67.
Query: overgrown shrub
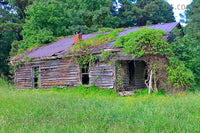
column 179, row 74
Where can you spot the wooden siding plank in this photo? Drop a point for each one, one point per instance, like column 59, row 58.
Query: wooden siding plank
column 102, row 75
column 53, row 72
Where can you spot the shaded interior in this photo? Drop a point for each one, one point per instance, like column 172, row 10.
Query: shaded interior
column 133, row 74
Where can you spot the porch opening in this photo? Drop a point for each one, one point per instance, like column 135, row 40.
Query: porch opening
column 132, row 74
column 36, row 77
column 85, row 74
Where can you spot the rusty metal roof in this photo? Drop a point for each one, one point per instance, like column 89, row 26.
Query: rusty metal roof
column 60, row 46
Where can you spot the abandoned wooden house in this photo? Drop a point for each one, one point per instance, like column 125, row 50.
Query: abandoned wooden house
column 50, row 65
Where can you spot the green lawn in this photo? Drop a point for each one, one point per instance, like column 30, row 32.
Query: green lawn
column 95, row 110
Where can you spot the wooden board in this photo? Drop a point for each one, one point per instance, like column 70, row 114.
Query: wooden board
column 102, row 75
column 52, row 72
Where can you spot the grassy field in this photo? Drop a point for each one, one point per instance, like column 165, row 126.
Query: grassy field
column 95, row 110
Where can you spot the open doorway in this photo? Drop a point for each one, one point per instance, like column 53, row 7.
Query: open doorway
column 137, row 73
column 36, row 77
column 133, row 74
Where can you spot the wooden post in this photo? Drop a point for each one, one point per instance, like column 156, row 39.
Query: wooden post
column 150, row 87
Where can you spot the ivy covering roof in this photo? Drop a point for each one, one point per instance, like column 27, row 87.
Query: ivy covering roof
column 62, row 45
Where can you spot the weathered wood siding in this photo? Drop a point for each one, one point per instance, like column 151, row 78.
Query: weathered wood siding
column 23, row 77
column 53, row 72
column 59, row 72
column 62, row 72
column 102, row 75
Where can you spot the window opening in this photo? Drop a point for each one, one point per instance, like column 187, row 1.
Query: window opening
column 36, row 77
column 85, row 74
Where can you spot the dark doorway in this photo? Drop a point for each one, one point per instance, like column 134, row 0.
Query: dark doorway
column 36, row 77
column 132, row 74
column 137, row 73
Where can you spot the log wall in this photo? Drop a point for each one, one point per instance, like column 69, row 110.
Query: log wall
column 53, row 72
column 64, row 72
column 23, row 77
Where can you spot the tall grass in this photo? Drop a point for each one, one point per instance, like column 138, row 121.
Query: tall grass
column 84, row 109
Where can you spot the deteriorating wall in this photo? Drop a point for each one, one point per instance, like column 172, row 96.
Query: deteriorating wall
column 53, row 72
column 102, row 75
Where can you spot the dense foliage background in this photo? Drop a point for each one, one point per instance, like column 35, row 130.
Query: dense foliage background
column 187, row 48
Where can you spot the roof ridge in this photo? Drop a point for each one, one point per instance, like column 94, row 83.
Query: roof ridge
column 161, row 24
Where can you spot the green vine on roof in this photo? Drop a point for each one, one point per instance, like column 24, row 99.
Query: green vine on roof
column 145, row 42
column 83, row 52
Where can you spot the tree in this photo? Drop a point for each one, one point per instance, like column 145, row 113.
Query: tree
column 187, row 48
column 10, row 27
column 143, row 12
column 193, row 18
column 47, row 20
column 20, row 6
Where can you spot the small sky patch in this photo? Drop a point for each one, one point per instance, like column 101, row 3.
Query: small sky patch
column 179, row 7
